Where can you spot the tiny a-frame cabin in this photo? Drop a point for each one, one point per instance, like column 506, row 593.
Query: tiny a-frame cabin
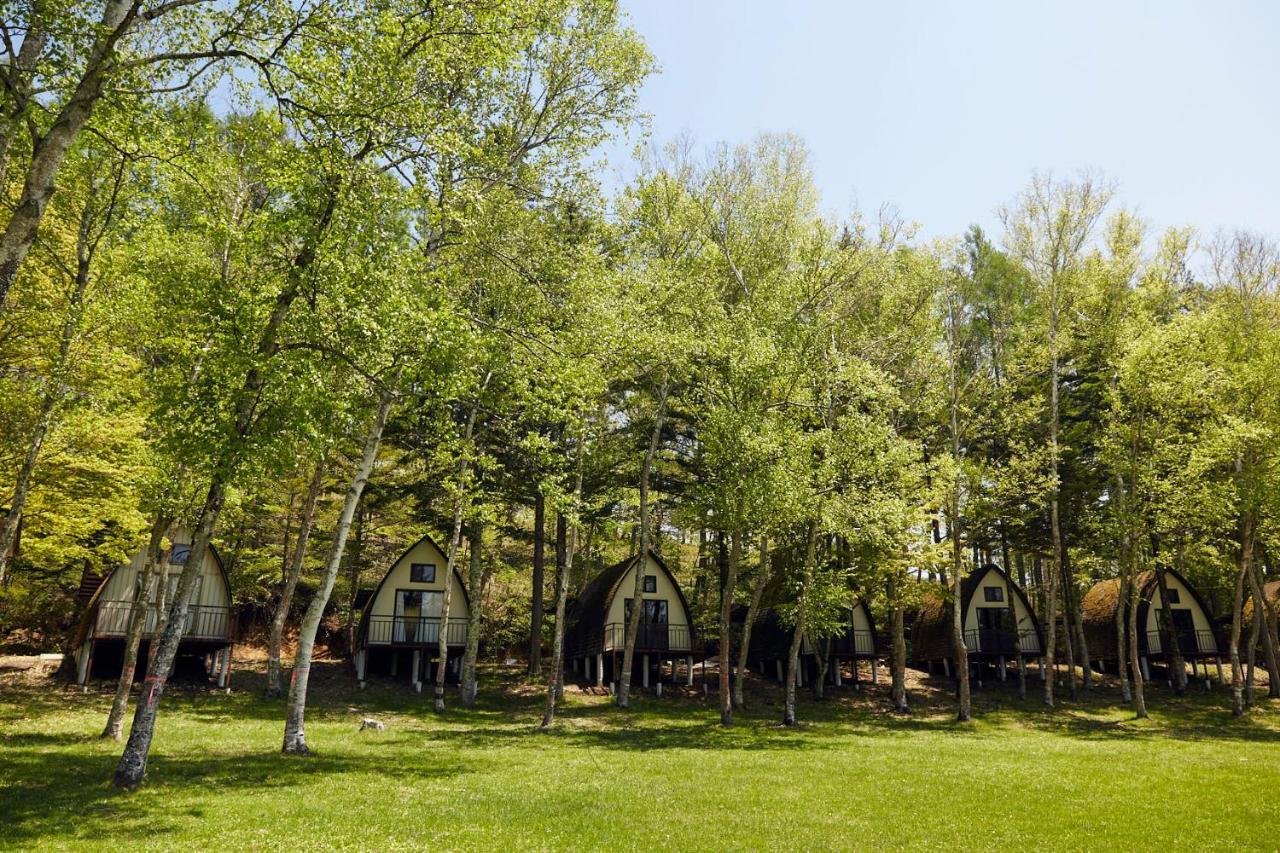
column 97, row 646
column 992, row 608
column 771, row 643
column 399, row 632
column 596, row 637
column 1189, row 623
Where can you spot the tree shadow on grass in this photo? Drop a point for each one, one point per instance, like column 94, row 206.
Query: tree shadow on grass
column 58, row 794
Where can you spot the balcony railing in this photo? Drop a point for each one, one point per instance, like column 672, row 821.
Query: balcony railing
column 1189, row 642
column 999, row 641
column 204, row 621
column 860, row 643
column 413, row 631
column 653, row 637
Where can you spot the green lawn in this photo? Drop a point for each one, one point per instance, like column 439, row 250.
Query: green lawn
column 664, row 775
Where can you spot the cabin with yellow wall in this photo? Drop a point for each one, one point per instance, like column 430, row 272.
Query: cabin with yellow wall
column 400, row 626
column 596, row 636
column 97, row 645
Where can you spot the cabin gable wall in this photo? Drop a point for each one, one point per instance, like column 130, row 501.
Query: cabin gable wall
column 666, row 590
column 398, row 577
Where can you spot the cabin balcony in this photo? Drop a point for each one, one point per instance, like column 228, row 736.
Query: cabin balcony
column 860, row 644
column 997, row 641
column 204, row 621
column 414, row 631
column 652, row 637
column 1191, row 643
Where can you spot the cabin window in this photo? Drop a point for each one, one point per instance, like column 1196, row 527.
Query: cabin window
column 179, row 555
column 655, row 611
column 1174, row 598
column 418, row 604
column 650, row 583
column 422, row 573
column 993, row 593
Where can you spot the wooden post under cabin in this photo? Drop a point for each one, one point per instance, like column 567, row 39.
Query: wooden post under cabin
column 600, row 669
column 689, row 675
column 417, row 667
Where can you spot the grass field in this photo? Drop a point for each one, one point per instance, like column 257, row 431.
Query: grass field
column 662, row 776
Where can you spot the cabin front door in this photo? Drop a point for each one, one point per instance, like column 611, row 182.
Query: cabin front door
column 654, row 632
column 995, row 631
column 1184, row 631
column 417, row 616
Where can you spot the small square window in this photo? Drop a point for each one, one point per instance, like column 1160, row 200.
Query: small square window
column 650, row 583
column 1174, row 598
column 422, row 573
column 179, row 555
column 993, row 593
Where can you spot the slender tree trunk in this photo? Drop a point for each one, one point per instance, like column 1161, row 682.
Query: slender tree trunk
column 133, row 762
column 822, row 652
column 637, row 593
column 278, row 619
column 1250, row 695
column 1013, row 612
column 1055, row 520
column 1122, row 666
column 1168, row 637
column 50, row 150
column 1051, row 622
column 356, row 567
column 965, row 710
column 1135, row 659
column 1260, row 616
column 797, row 636
column 793, row 665
column 451, row 560
column 137, row 624
column 744, row 650
column 1237, row 605
column 1077, row 623
column 898, row 658
column 566, row 545
column 562, row 577
column 475, row 582
column 295, row 740
column 9, row 526
column 726, row 626
column 1066, row 639
column 539, row 582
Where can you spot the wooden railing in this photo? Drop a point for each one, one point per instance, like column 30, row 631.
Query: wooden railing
column 860, row 643
column 1189, row 642
column 204, row 621
column 999, row 641
column 413, row 631
column 651, row 637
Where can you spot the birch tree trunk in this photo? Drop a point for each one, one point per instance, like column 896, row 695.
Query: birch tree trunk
column 637, row 593
column 1135, row 660
column 744, row 650
column 50, row 150
column 1122, row 664
column 1167, row 635
column 451, row 560
column 274, row 688
column 137, row 623
column 898, row 657
column 562, row 574
column 1237, row 605
column 965, row 710
column 797, row 637
column 726, row 634
column 295, row 739
column 1260, row 616
column 539, row 582
column 475, row 584
column 566, row 545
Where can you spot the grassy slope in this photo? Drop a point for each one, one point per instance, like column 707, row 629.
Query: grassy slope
column 662, row 776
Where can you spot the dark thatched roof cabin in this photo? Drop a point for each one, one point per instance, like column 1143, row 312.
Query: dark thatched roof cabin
column 1191, row 623
column 987, row 620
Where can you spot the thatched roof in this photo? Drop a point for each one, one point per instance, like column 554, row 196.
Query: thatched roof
column 1098, row 610
column 931, row 633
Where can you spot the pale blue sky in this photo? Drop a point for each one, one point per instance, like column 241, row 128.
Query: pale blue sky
column 944, row 109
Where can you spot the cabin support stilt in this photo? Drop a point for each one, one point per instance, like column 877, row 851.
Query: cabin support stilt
column 644, row 664
column 1004, row 672
column 417, row 668
column 600, row 669
column 836, row 675
column 1218, row 661
column 1146, row 668
column 874, row 673
column 946, row 667
column 689, row 674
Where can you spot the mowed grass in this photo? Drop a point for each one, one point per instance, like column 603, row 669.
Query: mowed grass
column 664, row 775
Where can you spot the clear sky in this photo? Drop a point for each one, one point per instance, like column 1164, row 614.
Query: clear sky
column 944, row 109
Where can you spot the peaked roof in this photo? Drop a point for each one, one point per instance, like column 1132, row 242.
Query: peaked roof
column 931, row 636
column 592, row 607
column 373, row 595
column 91, row 604
column 1098, row 609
